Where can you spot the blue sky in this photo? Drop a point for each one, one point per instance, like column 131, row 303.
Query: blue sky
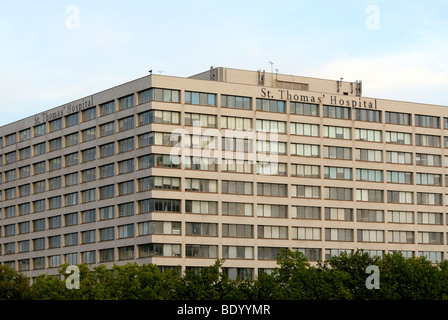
column 51, row 55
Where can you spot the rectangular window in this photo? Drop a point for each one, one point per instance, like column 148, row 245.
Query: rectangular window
column 126, row 145
column 339, row 214
column 71, row 139
column 369, row 195
column 126, row 123
column 200, row 185
column 337, row 132
column 201, row 229
column 430, row 218
column 370, row 235
column 429, row 179
column 427, row 121
column 399, row 157
column 308, row 213
column 334, row 234
column 107, row 170
column 40, row 130
column 395, row 216
column 400, row 177
column 201, row 207
column 336, row 193
column 401, row 236
column 88, row 155
column 336, row 112
column 200, row 98
column 72, row 120
column 332, row 152
column 369, row 155
column 89, row 114
column 271, row 126
column 158, row 94
column 89, row 134
column 237, row 230
column 107, row 192
column 55, row 125
column 369, row 135
column 404, row 197
column 88, row 195
column 235, row 123
column 369, row 175
column 272, row 189
column 305, row 150
column 304, row 109
column 301, row 191
column 237, row 209
column 398, row 137
column 107, row 150
column 39, row 149
column 272, row 210
column 338, row 173
column 88, row 175
column 237, row 187
column 272, row 232
column 107, row 108
column 305, row 170
column 368, row 115
column 304, row 129
column 306, row 233
column 432, row 160
column 426, row 140
column 107, row 129
column 71, row 159
column 236, row 102
column 425, row 198
column 398, row 118
column 55, row 144
column 126, row 102
column 271, row 105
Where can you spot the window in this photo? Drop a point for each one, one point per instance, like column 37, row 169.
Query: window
column 89, row 114
column 398, row 157
column 25, row 135
column 398, row 137
column 369, row 175
column 400, row 177
column 55, row 125
column 369, row 135
column 200, row 185
column 426, row 198
column 427, row 160
column 55, row 202
column 338, row 173
column 336, row 112
column 159, row 205
column 237, row 187
column 107, row 234
column 305, row 150
column 368, row 115
column 237, row 230
column 370, row 235
column 71, row 239
column 339, row 214
column 71, row 139
column 398, row 118
column 39, row 167
column 40, row 130
column 88, row 195
column 301, row 191
column 107, row 192
column 107, row 108
column 107, row 129
column 54, row 183
column 126, row 166
column 271, row 189
column 107, row 213
column 335, row 234
column 429, row 218
column 200, row 163
column 268, row 253
column 71, row 219
column 71, row 120
column 271, row 105
column 126, row 231
column 107, row 170
column 272, row 232
column 201, row 207
column 165, row 183
column 89, row 134
column 107, row 150
column 401, row 236
column 302, row 212
column 336, row 193
column 201, row 251
column 157, row 94
column 369, row 195
column 272, row 210
column 430, row 237
column 88, row 154
column 427, row 140
column 228, row 144
column 11, row 139
column 10, row 157
column 126, row 145
column 200, row 98
column 126, row 102
column 236, row 102
column 125, row 188
column 395, row 216
column 156, row 160
column 332, row 152
column 429, row 179
column 107, row 255
column 235, row 123
column 126, row 123
column 304, row 129
column 159, row 116
column 368, row 155
column 304, row 109
column 24, row 172
column 235, row 165
column 337, row 132
column 159, row 227
column 201, row 229
column 306, row 233
column 271, row 168
column 271, row 126
column 237, row 252
column 427, row 121
column 39, row 149
column 271, row 147
column 162, row 249
column 405, row 197
column 55, row 144
column 237, row 209
column 305, row 170
column 71, row 159
column 54, row 222
column 126, row 209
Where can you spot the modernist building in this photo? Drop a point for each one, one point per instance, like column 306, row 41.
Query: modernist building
column 267, row 161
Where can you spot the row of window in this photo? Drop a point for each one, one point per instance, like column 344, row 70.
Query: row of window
column 210, row 99
column 192, row 251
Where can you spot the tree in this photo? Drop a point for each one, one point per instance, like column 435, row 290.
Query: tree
column 13, row 285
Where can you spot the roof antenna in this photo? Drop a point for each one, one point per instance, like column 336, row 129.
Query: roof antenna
column 272, row 71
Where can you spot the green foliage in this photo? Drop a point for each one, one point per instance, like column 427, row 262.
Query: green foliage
column 339, row 278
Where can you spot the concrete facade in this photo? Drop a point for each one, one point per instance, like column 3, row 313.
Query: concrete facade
column 87, row 182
